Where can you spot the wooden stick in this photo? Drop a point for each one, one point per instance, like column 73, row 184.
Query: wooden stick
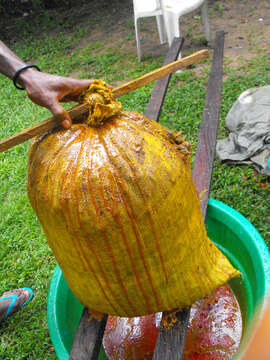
column 81, row 110
column 160, row 72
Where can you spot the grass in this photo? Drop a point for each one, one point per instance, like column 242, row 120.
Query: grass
column 25, row 258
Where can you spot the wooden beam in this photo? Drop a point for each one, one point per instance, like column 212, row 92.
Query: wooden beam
column 206, row 148
column 88, row 338
column 155, row 103
column 170, row 343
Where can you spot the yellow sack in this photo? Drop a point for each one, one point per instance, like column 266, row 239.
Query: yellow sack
column 119, row 208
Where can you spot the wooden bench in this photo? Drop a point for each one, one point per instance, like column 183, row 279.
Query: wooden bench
column 170, row 343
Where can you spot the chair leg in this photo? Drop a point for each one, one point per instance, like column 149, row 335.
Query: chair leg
column 175, row 26
column 161, row 29
column 205, row 20
column 138, row 39
column 171, row 27
column 175, row 20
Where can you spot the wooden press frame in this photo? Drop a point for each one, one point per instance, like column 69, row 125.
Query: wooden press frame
column 170, row 343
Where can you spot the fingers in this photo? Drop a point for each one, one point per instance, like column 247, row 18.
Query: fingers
column 48, row 90
column 76, row 86
column 83, row 83
column 60, row 114
column 69, row 98
column 72, row 89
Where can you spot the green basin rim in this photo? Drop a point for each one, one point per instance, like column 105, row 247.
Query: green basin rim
column 216, row 210
column 235, row 219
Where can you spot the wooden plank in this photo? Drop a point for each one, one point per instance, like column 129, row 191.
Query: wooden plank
column 88, row 339
column 155, row 103
column 81, row 110
column 82, row 337
column 206, row 148
column 170, row 344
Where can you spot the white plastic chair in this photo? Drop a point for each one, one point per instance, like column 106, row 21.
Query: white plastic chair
column 147, row 8
column 174, row 9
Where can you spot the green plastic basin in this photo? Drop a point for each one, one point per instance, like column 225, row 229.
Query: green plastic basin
column 235, row 237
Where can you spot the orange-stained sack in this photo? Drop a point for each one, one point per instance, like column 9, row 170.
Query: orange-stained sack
column 119, row 209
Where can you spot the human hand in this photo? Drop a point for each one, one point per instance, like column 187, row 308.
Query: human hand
column 48, row 90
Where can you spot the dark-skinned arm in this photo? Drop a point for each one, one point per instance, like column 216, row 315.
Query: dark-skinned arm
column 42, row 88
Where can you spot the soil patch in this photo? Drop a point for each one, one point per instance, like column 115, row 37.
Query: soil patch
column 246, row 23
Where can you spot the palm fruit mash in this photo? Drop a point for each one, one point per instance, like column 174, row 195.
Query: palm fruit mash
column 214, row 331
column 215, row 327
column 115, row 197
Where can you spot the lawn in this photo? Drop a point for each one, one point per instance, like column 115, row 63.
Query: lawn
column 25, row 258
